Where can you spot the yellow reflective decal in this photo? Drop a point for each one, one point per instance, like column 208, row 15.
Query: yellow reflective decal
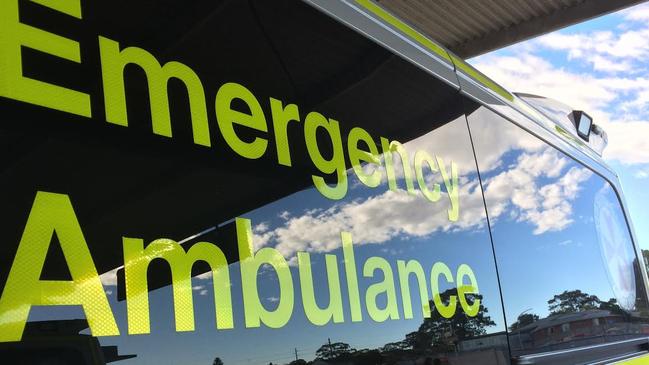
column 361, row 146
column 53, row 214
column 324, row 140
column 434, row 47
column 481, row 78
column 405, row 28
column 14, row 35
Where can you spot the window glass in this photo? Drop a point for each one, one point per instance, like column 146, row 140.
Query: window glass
column 568, row 270
column 232, row 191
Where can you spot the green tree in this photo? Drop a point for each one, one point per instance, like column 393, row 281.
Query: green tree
column 217, row 361
column 332, row 351
column 613, row 307
column 367, row 356
column 418, row 339
column 572, row 301
column 523, row 320
column 396, row 346
column 444, row 332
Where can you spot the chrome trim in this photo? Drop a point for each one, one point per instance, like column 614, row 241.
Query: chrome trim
column 388, row 37
column 529, row 359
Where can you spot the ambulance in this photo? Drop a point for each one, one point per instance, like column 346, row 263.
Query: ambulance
column 295, row 182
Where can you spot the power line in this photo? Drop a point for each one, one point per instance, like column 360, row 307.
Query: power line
column 278, row 357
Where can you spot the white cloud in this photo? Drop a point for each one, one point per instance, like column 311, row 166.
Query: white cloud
column 601, row 63
column 628, row 141
column 638, row 13
column 618, row 101
column 261, row 227
column 204, row 276
column 642, row 173
column 618, row 104
column 109, row 278
column 548, row 207
column 604, row 50
column 565, row 243
column 200, row 289
column 397, row 215
column 371, row 221
column 529, row 73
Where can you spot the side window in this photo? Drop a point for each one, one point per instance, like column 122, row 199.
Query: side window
column 262, row 185
column 569, row 274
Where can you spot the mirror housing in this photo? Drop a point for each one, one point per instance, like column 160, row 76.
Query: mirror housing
column 598, row 139
column 583, row 123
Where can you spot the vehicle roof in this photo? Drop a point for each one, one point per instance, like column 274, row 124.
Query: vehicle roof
column 470, row 28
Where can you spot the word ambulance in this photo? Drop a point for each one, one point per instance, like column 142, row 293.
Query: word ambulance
column 54, row 214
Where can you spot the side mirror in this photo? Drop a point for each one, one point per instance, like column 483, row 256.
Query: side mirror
column 582, row 122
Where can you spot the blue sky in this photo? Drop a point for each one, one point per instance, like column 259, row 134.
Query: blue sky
column 602, row 67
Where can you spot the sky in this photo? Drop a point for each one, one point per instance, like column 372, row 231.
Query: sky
column 600, row 66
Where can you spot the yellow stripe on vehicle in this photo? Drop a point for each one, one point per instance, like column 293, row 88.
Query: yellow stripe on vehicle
column 481, row 78
column 434, row 47
column 405, row 28
column 644, row 360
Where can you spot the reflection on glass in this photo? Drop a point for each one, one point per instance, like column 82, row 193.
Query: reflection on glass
column 568, row 271
column 391, row 303
column 58, row 342
column 382, row 276
column 584, row 125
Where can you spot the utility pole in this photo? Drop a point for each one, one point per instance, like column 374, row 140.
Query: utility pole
column 331, row 355
column 296, row 354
